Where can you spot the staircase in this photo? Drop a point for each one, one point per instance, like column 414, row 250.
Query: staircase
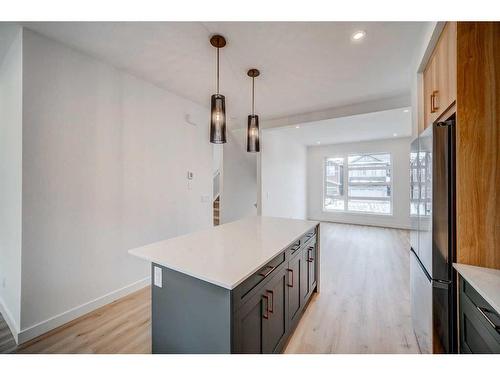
column 216, row 211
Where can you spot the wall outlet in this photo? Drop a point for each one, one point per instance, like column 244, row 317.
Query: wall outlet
column 157, row 277
column 190, row 175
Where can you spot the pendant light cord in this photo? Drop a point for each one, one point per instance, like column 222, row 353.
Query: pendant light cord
column 217, row 71
column 253, row 96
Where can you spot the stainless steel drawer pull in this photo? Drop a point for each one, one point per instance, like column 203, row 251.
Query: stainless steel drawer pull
column 270, row 292
column 484, row 312
column 265, row 314
column 309, row 252
column 290, row 274
column 271, row 269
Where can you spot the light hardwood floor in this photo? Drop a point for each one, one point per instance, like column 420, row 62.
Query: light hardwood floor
column 364, row 302
column 7, row 342
column 363, row 306
column 123, row 326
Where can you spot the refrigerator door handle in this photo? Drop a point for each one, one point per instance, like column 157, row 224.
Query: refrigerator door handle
column 441, row 284
column 422, row 266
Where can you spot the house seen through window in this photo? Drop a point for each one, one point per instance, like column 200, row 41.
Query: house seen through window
column 365, row 187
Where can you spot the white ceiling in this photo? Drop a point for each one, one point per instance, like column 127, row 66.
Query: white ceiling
column 304, row 67
column 394, row 123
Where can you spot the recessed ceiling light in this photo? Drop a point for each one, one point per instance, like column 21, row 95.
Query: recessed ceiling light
column 358, row 35
column 297, row 126
column 318, row 142
column 406, row 110
column 394, row 134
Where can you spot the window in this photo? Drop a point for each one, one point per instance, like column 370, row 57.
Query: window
column 368, row 183
column 334, row 184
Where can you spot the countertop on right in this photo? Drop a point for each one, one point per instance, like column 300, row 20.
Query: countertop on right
column 486, row 281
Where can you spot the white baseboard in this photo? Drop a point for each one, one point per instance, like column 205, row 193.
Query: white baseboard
column 368, row 224
column 67, row 316
column 9, row 320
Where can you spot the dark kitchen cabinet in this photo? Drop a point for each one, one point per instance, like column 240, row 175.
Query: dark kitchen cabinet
column 304, row 278
column 266, row 315
column 293, row 283
column 248, row 326
column 311, row 265
column 257, row 316
column 261, row 323
column 479, row 323
column 309, row 270
column 274, row 323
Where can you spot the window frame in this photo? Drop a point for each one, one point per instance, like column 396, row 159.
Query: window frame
column 345, row 158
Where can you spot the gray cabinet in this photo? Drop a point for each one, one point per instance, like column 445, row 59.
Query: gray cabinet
column 311, row 264
column 479, row 323
column 258, row 316
column 274, row 323
column 266, row 315
column 295, row 265
column 248, row 337
column 261, row 322
column 308, row 271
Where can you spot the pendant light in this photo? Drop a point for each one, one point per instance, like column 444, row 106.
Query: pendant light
column 253, row 120
column 218, row 101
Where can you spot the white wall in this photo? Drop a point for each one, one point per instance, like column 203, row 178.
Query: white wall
column 239, row 187
column 11, row 180
column 283, row 176
column 104, row 170
column 399, row 149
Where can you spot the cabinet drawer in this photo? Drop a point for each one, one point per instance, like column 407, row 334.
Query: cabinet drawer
column 309, row 235
column 300, row 243
column 246, row 287
column 477, row 321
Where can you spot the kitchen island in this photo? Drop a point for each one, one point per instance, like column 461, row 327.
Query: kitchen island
column 240, row 287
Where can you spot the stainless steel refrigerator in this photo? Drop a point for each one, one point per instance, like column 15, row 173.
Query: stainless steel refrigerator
column 432, row 238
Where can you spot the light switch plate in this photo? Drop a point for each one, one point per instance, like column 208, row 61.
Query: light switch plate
column 157, row 277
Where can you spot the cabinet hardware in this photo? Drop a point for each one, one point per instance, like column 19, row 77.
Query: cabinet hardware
column 265, row 315
column 483, row 312
column 309, row 257
column 271, row 269
column 290, row 272
column 434, row 105
column 271, row 310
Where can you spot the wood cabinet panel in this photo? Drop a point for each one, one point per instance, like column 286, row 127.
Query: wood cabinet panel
column 446, row 69
column 440, row 76
column 478, row 142
column 429, row 88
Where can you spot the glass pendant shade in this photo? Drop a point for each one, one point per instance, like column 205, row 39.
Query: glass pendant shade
column 218, row 119
column 253, row 144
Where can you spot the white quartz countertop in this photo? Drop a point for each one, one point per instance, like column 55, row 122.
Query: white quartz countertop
column 486, row 281
column 227, row 254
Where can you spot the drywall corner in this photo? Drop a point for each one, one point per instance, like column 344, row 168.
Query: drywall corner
column 11, row 175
